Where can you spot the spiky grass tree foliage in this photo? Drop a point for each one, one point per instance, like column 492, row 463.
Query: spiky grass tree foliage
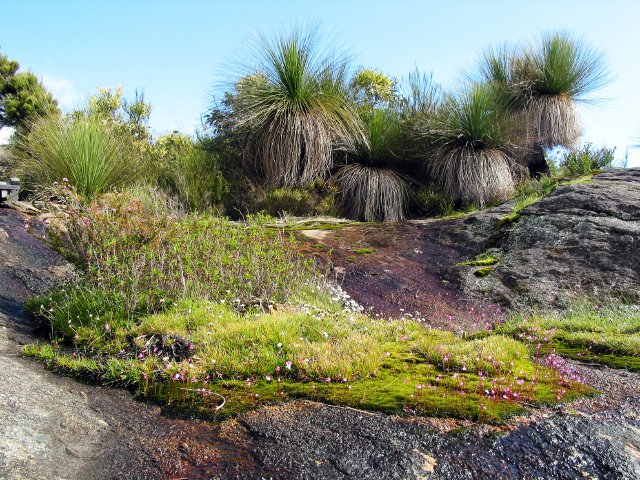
column 473, row 159
column 370, row 189
column 545, row 79
column 558, row 71
column 296, row 108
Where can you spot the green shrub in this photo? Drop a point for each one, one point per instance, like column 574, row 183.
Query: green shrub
column 294, row 201
column 585, row 160
column 314, row 199
column 188, row 171
column 92, row 154
column 150, row 254
column 431, row 203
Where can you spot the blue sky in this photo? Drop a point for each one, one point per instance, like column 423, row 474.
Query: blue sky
column 176, row 51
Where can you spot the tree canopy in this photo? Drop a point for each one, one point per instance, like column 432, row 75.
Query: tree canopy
column 22, row 96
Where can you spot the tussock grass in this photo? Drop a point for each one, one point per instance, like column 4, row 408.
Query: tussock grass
column 91, row 154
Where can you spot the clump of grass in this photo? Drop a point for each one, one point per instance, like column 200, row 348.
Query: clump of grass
column 364, row 251
column 93, row 155
column 369, row 185
column 544, row 80
column 587, row 331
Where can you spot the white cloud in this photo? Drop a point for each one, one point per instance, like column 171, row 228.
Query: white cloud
column 62, row 90
column 5, row 133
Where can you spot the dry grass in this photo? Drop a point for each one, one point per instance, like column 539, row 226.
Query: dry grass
column 372, row 194
column 475, row 177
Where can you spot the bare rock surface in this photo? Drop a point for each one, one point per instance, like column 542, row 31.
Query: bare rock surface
column 581, row 240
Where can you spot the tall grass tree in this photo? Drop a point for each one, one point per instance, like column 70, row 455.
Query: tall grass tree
column 369, row 187
column 474, row 152
column 296, row 108
column 545, row 81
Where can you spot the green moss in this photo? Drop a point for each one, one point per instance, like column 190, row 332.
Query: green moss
column 364, row 251
column 396, row 388
column 460, row 214
column 479, row 261
column 331, row 357
column 508, row 218
column 483, row 272
column 585, row 331
column 577, row 181
column 580, row 352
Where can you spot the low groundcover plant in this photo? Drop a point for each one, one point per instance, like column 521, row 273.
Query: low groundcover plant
column 199, row 312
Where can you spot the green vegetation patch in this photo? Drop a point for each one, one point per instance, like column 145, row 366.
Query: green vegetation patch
column 482, row 260
column 213, row 317
column 198, row 355
column 364, row 251
column 483, row 272
column 534, row 191
column 586, row 331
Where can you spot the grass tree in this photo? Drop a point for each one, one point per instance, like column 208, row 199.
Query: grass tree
column 545, row 80
column 473, row 155
column 375, row 183
column 369, row 187
column 295, row 105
